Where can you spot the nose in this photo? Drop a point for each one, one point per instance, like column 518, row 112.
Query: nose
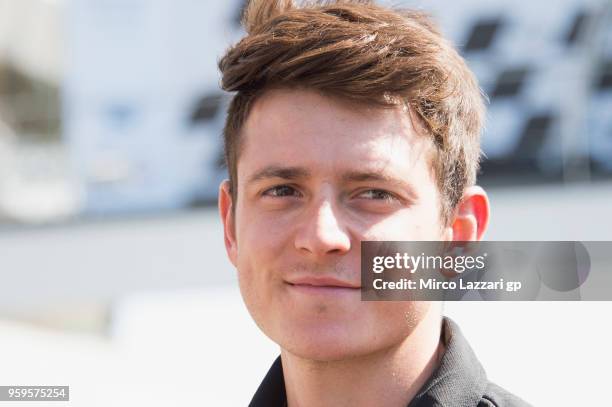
column 322, row 233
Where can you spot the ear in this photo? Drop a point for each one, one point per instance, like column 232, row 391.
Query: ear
column 227, row 219
column 471, row 215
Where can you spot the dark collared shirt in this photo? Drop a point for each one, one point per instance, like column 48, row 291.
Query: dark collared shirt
column 459, row 381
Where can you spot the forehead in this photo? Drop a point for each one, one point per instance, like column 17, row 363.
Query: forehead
column 327, row 135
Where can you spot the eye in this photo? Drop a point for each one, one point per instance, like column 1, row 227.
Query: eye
column 281, row 191
column 377, row 194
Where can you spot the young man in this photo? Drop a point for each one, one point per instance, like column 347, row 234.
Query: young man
column 350, row 122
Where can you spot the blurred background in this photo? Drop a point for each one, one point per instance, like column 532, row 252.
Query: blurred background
column 113, row 274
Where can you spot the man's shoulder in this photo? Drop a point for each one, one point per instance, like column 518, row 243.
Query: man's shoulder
column 496, row 396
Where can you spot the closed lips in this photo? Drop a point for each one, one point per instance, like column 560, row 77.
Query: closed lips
column 322, row 281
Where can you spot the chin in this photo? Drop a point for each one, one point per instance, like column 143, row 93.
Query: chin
column 328, row 342
column 326, row 351
column 345, row 337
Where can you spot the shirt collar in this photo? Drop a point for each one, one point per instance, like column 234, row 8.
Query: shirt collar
column 271, row 391
column 458, row 380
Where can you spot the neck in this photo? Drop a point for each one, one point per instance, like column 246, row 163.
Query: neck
column 387, row 378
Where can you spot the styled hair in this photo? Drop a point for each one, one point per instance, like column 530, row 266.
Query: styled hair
column 364, row 53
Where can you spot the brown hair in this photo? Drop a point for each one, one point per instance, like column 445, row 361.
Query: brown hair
column 365, row 53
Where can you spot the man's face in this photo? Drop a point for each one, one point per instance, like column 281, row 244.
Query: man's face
column 316, row 176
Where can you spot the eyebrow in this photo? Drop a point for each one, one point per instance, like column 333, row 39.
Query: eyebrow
column 276, row 171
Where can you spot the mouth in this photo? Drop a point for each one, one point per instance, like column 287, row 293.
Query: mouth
column 322, row 285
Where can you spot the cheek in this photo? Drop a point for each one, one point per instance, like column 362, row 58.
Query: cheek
column 260, row 233
column 259, row 249
column 399, row 319
column 262, row 243
column 415, row 223
column 260, row 225
column 256, row 283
